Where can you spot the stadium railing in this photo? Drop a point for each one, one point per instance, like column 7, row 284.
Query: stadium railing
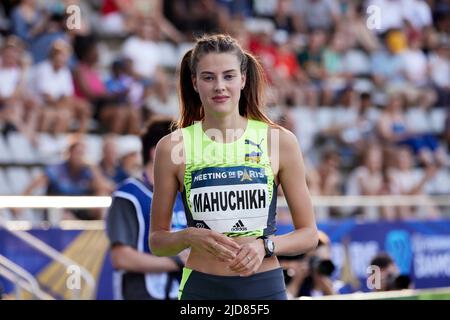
column 88, row 293
column 22, row 280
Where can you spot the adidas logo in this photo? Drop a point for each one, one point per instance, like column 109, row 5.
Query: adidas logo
column 239, row 226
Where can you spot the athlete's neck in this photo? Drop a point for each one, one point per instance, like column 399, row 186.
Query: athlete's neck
column 234, row 122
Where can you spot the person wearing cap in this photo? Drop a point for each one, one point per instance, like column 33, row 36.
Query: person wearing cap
column 139, row 275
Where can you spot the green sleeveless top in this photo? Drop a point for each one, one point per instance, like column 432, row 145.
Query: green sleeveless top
column 229, row 187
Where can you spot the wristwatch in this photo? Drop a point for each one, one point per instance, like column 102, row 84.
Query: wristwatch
column 269, row 246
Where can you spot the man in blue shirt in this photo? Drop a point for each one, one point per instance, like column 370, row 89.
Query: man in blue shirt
column 139, row 275
column 73, row 177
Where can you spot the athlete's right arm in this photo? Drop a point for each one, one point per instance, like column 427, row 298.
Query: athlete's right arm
column 127, row 258
column 163, row 242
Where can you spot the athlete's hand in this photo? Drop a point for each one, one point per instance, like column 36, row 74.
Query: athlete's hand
column 184, row 255
column 249, row 258
column 215, row 243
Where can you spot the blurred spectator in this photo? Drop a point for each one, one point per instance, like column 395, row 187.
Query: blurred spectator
column 393, row 13
column 305, row 127
column 109, row 108
column 110, row 164
column 310, row 59
column 124, row 17
column 369, row 175
column 73, row 177
column 262, row 45
column 447, row 132
column 237, row 9
column 415, row 68
column 367, row 179
column 123, row 84
column 131, row 161
column 84, row 21
column 4, row 22
column 317, row 14
column 239, row 31
column 285, row 19
column 415, row 63
column 393, row 129
column 357, row 134
column 345, row 117
column 196, row 17
column 354, row 26
column 441, row 16
column 406, row 180
column 329, row 172
column 128, row 90
column 291, row 82
column 161, row 100
column 54, row 29
column 333, row 61
column 53, row 83
column 401, row 68
column 417, row 15
column 439, row 68
column 386, row 63
column 389, row 276
column 28, row 20
column 18, row 109
column 142, row 49
column 332, row 79
column 116, row 17
column 154, row 10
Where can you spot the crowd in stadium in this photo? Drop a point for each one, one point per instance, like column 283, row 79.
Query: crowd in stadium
column 368, row 100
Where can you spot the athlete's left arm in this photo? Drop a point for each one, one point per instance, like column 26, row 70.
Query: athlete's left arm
column 291, row 175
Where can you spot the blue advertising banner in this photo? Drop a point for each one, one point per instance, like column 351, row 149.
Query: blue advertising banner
column 87, row 248
column 420, row 249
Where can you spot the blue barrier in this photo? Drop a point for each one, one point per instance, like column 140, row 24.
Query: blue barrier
column 420, row 249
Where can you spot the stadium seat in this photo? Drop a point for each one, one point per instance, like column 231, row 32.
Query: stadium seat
column 306, row 127
column 51, row 148
column 22, row 151
column 437, row 120
column 419, row 119
column 94, row 145
column 357, row 62
column 182, row 49
column 5, row 153
column 4, row 189
column 18, row 179
column 325, row 117
column 440, row 183
column 168, row 55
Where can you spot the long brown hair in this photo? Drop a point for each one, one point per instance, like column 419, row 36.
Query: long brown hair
column 252, row 96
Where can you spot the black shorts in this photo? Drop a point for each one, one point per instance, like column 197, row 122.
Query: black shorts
column 268, row 285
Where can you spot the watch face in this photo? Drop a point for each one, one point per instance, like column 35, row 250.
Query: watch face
column 270, row 245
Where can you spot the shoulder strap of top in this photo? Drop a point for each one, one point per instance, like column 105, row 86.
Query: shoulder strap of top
column 188, row 140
